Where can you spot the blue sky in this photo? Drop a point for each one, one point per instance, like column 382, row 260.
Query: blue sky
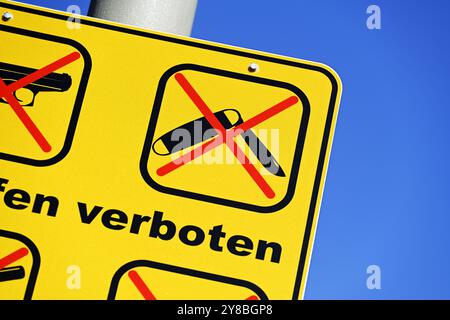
column 386, row 199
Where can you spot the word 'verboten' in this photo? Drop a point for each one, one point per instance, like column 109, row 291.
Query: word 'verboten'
column 156, row 226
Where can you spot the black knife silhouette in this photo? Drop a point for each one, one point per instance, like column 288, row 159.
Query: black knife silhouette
column 263, row 154
column 229, row 118
column 12, row 273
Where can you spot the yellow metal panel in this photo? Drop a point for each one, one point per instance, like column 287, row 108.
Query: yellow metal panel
column 92, row 185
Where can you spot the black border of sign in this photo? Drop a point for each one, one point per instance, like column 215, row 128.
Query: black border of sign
column 184, row 271
column 78, row 100
column 327, row 131
column 212, row 199
column 36, row 260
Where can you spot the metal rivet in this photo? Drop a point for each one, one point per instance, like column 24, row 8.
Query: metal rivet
column 7, row 16
column 253, row 67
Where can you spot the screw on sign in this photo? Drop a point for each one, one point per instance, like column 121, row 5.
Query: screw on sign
column 7, row 16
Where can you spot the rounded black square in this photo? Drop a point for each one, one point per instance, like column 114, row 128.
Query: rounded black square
column 212, row 199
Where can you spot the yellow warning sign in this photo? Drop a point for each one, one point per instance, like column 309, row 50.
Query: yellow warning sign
column 140, row 165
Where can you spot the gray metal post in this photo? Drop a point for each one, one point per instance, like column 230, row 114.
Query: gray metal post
column 172, row 16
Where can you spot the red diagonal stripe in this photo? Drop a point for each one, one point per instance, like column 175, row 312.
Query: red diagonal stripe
column 140, row 285
column 13, row 257
column 251, row 169
column 198, row 101
column 215, row 123
column 24, row 118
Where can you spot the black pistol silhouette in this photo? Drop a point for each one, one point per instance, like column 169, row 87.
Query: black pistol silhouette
column 170, row 142
column 53, row 82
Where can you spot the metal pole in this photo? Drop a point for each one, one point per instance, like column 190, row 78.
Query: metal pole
column 172, row 16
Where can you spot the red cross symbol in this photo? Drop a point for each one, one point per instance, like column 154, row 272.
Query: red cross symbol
column 13, row 257
column 226, row 137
